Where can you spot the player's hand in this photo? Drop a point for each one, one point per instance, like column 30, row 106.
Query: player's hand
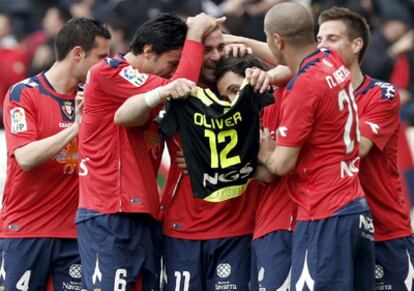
column 79, row 107
column 237, row 50
column 267, row 146
column 201, row 25
column 180, row 161
column 178, row 89
column 260, row 80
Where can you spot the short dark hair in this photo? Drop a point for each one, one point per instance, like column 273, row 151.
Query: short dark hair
column 164, row 33
column 356, row 25
column 79, row 31
column 238, row 65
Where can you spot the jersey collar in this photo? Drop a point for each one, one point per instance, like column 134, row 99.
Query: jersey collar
column 315, row 56
column 363, row 86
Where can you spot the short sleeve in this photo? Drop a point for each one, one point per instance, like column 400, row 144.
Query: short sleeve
column 380, row 120
column 297, row 114
column 19, row 117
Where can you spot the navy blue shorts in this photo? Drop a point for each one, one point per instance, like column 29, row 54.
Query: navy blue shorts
column 271, row 261
column 394, row 268
column 117, row 248
column 204, row 265
column 336, row 253
column 28, row 264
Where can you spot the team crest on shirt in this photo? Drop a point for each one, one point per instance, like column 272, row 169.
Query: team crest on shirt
column 68, row 109
column 133, row 76
column 18, row 120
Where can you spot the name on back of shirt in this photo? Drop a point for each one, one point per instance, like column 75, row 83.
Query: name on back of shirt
column 338, row 77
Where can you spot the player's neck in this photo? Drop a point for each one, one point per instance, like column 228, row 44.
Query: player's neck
column 134, row 60
column 296, row 55
column 357, row 75
column 63, row 82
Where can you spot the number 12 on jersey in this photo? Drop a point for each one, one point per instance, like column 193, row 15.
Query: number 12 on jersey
column 222, row 159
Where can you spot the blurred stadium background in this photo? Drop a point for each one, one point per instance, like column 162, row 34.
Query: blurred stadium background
column 28, row 27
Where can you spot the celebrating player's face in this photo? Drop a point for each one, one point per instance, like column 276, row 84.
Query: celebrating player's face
column 164, row 65
column 333, row 35
column 214, row 47
column 100, row 51
column 229, row 84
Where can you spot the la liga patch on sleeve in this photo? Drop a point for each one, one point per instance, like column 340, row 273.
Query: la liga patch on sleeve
column 133, row 76
column 18, row 120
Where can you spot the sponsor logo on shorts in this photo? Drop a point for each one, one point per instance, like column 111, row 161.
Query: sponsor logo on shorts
column 379, row 271
column 367, row 227
column 75, row 271
column 223, row 271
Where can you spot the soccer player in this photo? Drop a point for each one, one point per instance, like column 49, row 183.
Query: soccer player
column 272, row 237
column 207, row 244
column 118, row 192
column 378, row 109
column 318, row 141
column 38, row 235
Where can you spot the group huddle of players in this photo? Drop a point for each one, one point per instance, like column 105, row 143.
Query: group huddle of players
column 325, row 211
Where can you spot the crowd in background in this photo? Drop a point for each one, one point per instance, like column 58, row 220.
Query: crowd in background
column 28, row 28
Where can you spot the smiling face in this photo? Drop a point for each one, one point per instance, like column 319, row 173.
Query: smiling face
column 214, row 46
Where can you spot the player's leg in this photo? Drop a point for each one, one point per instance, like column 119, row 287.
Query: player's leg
column 183, row 265
column 394, row 269
column 227, row 262
column 66, row 269
column 273, row 255
column 25, row 263
column 325, row 253
column 364, row 252
column 113, row 250
column 151, row 275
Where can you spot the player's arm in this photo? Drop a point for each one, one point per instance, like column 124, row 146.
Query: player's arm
column 279, row 160
column 379, row 120
column 365, row 146
column 135, row 111
column 40, row 151
column 264, row 175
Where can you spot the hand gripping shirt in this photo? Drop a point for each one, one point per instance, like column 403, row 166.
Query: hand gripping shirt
column 220, row 140
column 41, row 202
column 378, row 110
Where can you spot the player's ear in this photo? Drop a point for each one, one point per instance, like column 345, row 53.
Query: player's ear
column 77, row 53
column 148, row 51
column 357, row 45
column 278, row 39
